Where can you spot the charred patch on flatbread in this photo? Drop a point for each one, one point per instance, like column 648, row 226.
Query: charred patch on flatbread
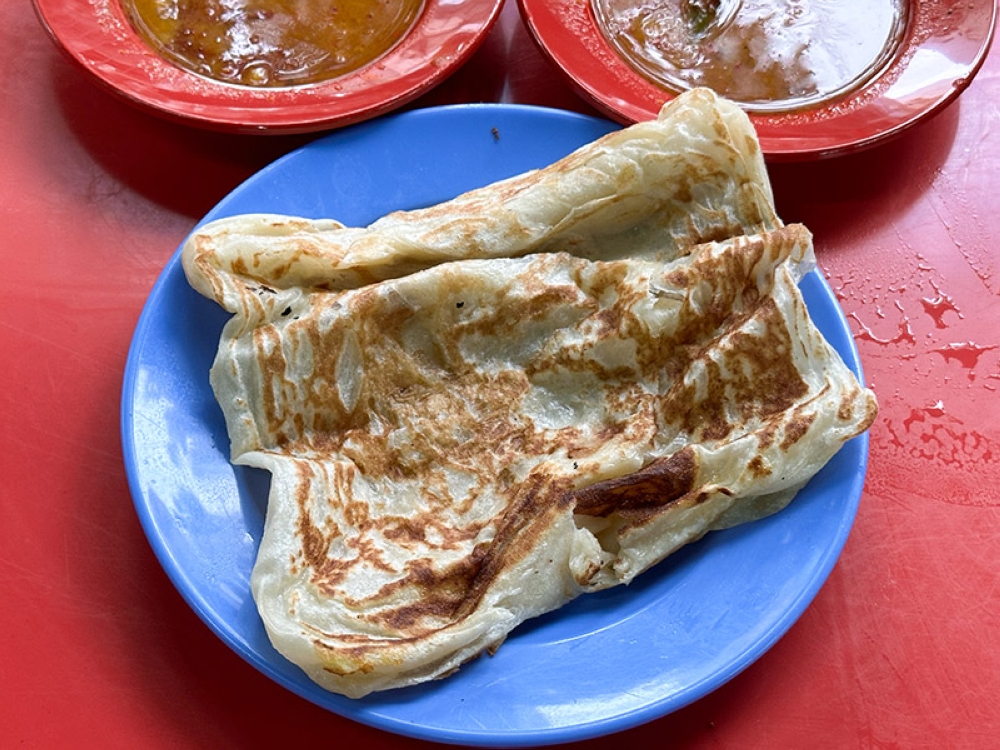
column 661, row 483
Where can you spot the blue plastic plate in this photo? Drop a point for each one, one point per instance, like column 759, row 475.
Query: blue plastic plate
column 603, row 663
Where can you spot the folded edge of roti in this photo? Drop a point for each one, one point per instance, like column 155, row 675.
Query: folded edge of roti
column 477, row 411
column 694, row 174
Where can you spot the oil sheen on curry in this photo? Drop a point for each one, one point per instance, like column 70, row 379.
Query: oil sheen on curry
column 767, row 55
column 272, row 42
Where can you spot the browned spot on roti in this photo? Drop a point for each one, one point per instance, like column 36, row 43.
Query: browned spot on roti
column 658, row 484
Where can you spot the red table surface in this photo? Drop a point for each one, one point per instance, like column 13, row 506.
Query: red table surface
column 901, row 648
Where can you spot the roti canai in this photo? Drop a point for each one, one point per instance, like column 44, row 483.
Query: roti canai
column 477, row 411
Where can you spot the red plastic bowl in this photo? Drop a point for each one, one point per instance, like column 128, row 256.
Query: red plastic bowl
column 943, row 48
column 98, row 36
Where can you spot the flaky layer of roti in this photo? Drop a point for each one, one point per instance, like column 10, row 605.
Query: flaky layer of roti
column 477, row 411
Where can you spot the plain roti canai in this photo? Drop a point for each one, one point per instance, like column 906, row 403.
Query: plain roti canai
column 477, row 411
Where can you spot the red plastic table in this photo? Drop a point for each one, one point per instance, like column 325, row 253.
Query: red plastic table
column 901, row 649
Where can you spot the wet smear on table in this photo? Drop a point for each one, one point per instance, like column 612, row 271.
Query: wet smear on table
column 966, row 353
column 937, row 306
column 948, row 442
column 904, row 334
column 942, row 410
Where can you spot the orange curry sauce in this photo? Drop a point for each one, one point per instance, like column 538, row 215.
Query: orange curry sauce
column 272, row 42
